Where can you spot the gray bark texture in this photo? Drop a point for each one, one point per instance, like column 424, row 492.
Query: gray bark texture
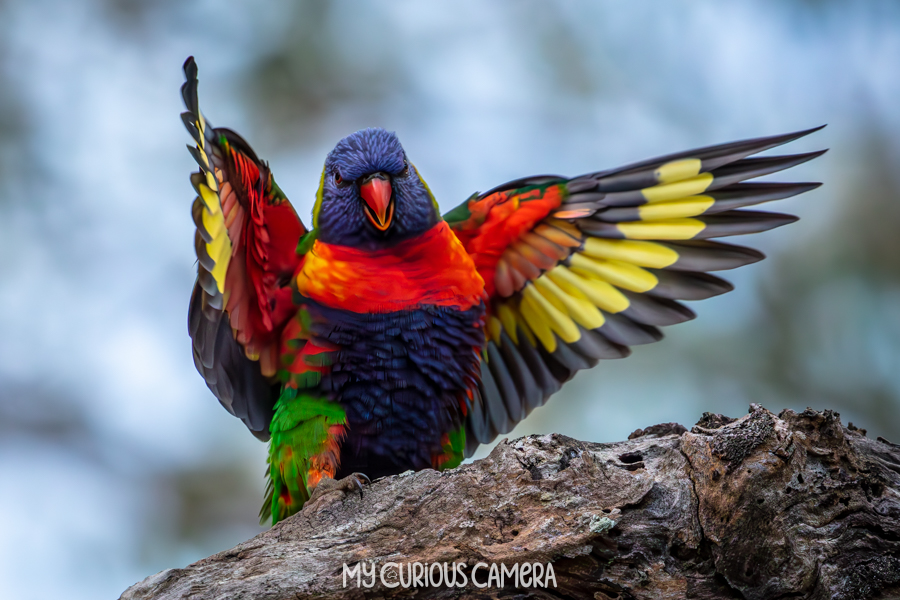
column 765, row 506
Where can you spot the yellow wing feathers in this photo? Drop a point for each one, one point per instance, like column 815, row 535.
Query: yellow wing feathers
column 642, row 254
column 668, row 229
column 666, row 192
column 623, row 246
column 570, row 298
column 609, row 264
column 678, row 170
column 209, row 215
column 240, row 302
column 214, row 248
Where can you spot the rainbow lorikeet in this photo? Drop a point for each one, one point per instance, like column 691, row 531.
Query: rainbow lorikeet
column 389, row 337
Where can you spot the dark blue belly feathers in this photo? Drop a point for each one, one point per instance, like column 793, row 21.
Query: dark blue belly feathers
column 402, row 378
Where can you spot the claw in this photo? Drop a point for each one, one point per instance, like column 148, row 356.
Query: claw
column 358, row 478
column 324, row 493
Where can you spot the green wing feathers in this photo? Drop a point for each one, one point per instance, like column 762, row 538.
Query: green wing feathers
column 610, row 264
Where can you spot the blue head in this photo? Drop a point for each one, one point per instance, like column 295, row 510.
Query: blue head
column 371, row 197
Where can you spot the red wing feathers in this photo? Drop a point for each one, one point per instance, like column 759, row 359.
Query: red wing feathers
column 494, row 234
column 246, row 240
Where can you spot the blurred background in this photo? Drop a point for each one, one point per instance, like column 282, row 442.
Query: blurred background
column 115, row 459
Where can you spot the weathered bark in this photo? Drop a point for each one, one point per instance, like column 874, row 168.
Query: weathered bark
column 759, row 507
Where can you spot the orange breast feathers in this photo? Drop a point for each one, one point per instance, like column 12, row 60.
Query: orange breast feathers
column 432, row 269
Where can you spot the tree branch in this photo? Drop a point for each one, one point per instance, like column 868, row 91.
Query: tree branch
column 765, row 506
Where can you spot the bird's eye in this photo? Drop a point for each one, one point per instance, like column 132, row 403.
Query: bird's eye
column 337, row 178
column 405, row 171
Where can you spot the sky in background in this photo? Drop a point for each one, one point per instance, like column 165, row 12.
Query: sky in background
column 115, row 459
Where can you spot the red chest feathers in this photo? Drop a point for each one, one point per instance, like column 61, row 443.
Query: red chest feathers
column 432, row 269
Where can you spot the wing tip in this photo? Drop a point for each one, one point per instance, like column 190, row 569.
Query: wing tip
column 806, row 186
column 805, row 132
column 785, row 138
column 785, row 161
column 189, row 87
column 190, row 68
column 811, row 155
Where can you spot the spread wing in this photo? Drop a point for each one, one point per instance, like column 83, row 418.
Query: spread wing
column 579, row 270
column 246, row 240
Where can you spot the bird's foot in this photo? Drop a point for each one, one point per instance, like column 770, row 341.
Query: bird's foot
column 328, row 491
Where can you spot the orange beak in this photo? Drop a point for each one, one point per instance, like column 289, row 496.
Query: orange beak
column 379, row 206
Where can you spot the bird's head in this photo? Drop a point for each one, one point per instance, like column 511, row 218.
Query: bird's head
column 370, row 196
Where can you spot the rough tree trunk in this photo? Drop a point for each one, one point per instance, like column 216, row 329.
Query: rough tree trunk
column 759, row 507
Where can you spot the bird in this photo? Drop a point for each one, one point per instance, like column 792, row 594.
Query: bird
column 389, row 337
